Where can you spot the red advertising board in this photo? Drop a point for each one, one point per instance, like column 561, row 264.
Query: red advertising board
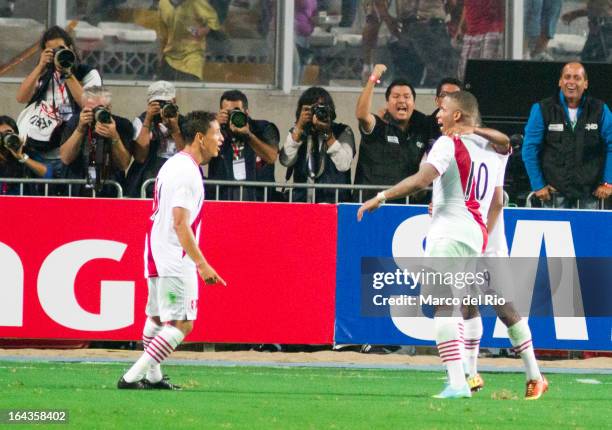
column 73, row 269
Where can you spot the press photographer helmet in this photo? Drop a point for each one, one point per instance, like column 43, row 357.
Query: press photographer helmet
column 10, row 141
column 64, row 58
column 102, row 115
column 238, row 118
column 168, row 109
column 324, row 113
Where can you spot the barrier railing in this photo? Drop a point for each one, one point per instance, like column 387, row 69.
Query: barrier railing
column 275, row 185
column 51, row 182
column 553, row 201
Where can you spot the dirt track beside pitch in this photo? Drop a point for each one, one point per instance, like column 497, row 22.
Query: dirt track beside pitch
column 320, row 357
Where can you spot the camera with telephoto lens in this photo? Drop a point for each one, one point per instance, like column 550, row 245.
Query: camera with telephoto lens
column 238, row 118
column 323, row 112
column 11, row 141
column 168, row 109
column 102, row 115
column 64, row 58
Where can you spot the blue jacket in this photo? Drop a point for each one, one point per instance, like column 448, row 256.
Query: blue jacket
column 534, row 139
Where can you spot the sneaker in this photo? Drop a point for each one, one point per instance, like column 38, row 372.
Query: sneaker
column 454, row 393
column 476, row 383
column 136, row 385
column 535, row 388
column 162, row 384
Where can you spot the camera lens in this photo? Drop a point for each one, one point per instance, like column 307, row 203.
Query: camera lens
column 238, row 118
column 322, row 112
column 169, row 110
column 64, row 58
column 102, row 115
column 11, row 141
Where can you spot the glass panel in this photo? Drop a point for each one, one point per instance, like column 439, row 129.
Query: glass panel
column 215, row 41
column 339, row 41
column 568, row 30
column 21, row 25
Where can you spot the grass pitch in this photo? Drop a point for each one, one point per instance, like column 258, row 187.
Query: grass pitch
column 299, row 398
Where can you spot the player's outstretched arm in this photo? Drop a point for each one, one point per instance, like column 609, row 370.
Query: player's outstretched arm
column 189, row 244
column 420, row 180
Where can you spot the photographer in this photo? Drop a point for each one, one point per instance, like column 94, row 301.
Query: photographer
column 317, row 148
column 53, row 93
column 249, row 150
column 157, row 135
column 97, row 145
column 15, row 162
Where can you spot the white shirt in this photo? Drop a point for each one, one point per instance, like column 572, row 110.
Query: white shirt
column 457, row 213
column 57, row 92
column 340, row 152
column 497, row 245
column 167, row 147
column 178, row 184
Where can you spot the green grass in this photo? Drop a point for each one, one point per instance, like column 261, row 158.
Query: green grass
column 298, row 398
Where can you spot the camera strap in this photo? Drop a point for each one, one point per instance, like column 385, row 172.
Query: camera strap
column 315, row 159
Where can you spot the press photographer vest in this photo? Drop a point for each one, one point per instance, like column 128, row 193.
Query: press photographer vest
column 572, row 160
column 395, row 156
column 330, row 175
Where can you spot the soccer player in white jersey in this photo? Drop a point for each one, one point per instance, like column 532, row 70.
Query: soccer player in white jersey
column 457, row 228
column 173, row 258
column 491, row 199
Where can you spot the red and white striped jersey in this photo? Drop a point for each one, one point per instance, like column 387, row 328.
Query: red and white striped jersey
column 179, row 183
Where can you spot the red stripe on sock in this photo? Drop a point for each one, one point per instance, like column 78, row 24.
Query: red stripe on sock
column 163, row 348
column 153, row 356
column 447, row 342
column 166, row 342
column 526, row 347
column 517, row 347
column 452, row 358
column 161, row 354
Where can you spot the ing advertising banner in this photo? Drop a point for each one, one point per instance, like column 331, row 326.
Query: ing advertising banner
column 73, row 269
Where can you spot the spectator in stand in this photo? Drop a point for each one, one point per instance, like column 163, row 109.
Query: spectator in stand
column 317, row 148
column 420, row 46
column 157, row 136
column 482, row 30
column 250, row 146
column 15, row 162
column 97, row 145
column 53, row 93
column 598, row 46
column 567, row 148
column 392, row 145
column 304, row 23
column 184, row 25
column 541, row 17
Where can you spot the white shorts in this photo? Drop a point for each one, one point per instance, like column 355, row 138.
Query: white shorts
column 173, row 298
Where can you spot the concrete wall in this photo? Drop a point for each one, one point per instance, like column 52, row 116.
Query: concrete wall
column 130, row 101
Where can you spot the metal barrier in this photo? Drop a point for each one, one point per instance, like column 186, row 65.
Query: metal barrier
column 69, row 182
column 531, row 195
column 267, row 185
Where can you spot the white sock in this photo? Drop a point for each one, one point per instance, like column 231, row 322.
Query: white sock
column 154, row 374
column 158, row 350
column 520, row 337
column 449, row 348
column 473, row 333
